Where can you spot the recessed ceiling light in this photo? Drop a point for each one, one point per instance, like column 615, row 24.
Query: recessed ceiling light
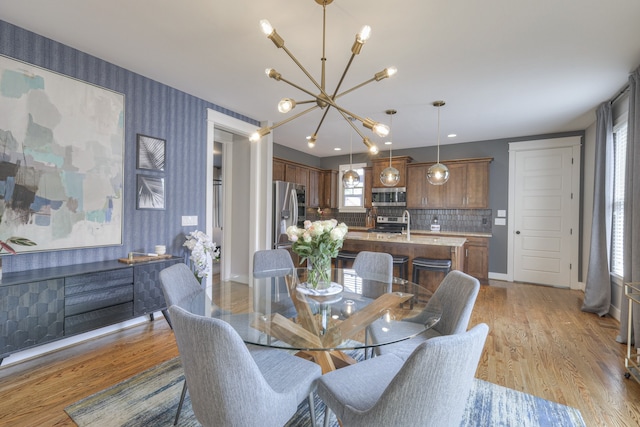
column 451, row 135
column 337, row 149
column 388, row 143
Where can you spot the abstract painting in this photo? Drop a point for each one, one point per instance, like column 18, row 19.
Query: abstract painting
column 61, row 161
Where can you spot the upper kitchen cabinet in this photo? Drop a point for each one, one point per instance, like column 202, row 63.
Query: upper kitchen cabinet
column 399, row 163
column 421, row 194
column 329, row 189
column 314, row 190
column 368, row 185
column 278, row 170
column 467, row 187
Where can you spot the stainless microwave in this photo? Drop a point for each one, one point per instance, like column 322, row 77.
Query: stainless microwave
column 391, row 196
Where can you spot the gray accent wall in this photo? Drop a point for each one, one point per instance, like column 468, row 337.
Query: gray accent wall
column 151, row 108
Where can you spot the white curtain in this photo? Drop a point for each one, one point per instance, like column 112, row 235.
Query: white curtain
column 632, row 210
column 597, row 294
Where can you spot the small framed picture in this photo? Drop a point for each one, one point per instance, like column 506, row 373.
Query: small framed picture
column 151, row 153
column 150, row 192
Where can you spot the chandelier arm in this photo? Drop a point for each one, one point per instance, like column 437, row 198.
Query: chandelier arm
column 322, row 120
column 290, row 83
column 355, row 87
column 295, row 116
column 344, row 73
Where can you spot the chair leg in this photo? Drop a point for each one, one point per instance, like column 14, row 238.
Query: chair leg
column 184, row 392
column 327, row 415
column 312, row 410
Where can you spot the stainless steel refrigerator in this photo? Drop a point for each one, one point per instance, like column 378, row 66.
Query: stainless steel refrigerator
column 289, row 208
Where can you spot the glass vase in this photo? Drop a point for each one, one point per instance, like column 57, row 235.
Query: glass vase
column 319, row 274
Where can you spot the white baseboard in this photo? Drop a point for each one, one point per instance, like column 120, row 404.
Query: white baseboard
column 499, row 276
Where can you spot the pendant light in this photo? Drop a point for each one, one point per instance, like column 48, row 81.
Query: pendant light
column 390, row 176
column 350, row 178
column 438, row 174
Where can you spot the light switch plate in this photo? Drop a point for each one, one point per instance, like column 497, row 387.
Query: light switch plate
column 502, row 213
column 501, row 221
column 189, row 220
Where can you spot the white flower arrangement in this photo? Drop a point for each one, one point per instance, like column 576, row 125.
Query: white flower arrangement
column 201, row 247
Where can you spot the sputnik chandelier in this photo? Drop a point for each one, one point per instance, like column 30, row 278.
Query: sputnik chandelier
column 323, row 99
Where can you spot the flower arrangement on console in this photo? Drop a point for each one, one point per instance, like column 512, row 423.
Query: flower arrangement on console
column 201, row 247
column 317, row 243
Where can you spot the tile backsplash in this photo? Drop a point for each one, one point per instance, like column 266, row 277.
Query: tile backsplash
column 471, row 220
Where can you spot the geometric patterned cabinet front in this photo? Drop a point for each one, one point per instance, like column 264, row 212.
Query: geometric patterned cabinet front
column 31, row 314
column 147, row 291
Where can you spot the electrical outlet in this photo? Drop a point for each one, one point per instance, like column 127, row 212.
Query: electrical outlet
column 189, row 220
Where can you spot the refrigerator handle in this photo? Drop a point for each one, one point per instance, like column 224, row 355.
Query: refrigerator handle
column 294, row 207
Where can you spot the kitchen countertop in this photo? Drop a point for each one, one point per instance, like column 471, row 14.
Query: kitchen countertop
column 401, row 238
column 432, row 233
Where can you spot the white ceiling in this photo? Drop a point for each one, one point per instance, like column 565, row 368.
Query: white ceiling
column 506, row 68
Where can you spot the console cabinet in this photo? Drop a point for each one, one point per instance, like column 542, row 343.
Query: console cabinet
column 45, row 305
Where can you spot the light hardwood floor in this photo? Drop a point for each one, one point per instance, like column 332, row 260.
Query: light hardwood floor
column 540, row 343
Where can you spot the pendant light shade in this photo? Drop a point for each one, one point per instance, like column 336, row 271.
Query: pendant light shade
column 438, row 174
column 390, row 176
column 350, row 178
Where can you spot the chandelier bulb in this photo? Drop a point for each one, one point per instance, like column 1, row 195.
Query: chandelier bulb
column 311, row 141
column 364, row 34
column 286, row 104
column 266, row 27
column 381, row 130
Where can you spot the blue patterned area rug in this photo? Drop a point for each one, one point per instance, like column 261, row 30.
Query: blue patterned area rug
column 151, row 399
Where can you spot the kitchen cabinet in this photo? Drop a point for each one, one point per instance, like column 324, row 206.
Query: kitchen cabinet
column 399, row 163
column 467, row 187
column 368, row 185
column 315, row 190
column 421, row 194
column 321, row 185
column 278, row 170
column 476, row 258
column 330, row 189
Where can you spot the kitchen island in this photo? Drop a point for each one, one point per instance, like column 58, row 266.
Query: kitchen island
column 432, row 246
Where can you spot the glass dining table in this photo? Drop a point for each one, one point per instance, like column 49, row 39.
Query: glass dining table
column 278, row 309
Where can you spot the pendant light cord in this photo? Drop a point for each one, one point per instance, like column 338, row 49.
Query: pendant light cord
column 439, row 134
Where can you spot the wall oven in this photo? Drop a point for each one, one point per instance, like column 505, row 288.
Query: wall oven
column 391, row 196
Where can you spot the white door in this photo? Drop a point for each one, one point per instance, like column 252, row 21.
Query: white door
column 544, row 225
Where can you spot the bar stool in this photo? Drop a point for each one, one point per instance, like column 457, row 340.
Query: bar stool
column 401, row 261
column 347, row 256
column 428, row 264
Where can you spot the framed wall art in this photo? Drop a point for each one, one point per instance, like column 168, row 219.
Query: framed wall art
column 151, row 152
column 150, row 192
column 61, row 161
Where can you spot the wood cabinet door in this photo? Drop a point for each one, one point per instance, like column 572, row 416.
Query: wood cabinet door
column 477, row 186
column 455, row 188
column 368, row 185
column 313, row 190
column 399, row 163
column 291, row 173
column 476, row 259
column 278, row 170
column 417, row 178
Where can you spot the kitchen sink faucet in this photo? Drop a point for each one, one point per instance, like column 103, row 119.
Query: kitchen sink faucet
column 408, row 217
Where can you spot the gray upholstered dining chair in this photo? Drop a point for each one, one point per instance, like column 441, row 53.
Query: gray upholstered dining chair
column 272, row 263
column 374, row 265
column 430, row 388
column 229, row 385
column 457, row 294
column 180, row 287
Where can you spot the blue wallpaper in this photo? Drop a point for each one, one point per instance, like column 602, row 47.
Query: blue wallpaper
column 151, row 108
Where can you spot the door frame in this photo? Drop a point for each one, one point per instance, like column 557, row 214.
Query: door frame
column 260, row 169
column 573, row 142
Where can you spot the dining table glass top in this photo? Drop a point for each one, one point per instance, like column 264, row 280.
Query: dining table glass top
column 278, row 309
